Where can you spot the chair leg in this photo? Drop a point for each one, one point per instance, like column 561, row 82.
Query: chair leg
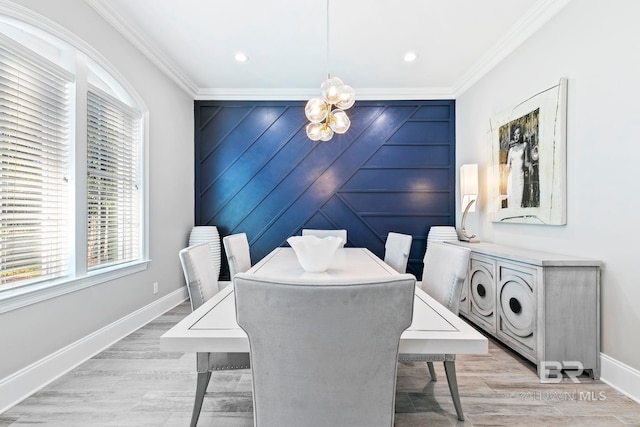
column 450, row 369
column 432, row 371
column 201, row 389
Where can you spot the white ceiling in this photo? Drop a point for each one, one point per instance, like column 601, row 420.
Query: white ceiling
column 456, row 41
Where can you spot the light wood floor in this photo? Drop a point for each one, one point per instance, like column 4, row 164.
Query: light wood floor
column 134, row 384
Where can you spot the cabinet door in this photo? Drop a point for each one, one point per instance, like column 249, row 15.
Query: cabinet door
column 482, row 292
column 517, row 306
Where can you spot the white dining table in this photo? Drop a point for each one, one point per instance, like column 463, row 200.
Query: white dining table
column 213, row 328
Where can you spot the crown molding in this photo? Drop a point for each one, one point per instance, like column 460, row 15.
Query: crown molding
column 524, row 28
column 417, row 93
column 301, row 94
column 142, row 43
column 255, row 94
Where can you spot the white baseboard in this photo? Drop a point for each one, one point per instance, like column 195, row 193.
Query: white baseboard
column 623, row 378
column 22, row 384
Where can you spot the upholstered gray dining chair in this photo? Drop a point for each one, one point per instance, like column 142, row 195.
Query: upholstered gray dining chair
column 396, row 251
column 325, row 233
column 236, row 246
column 444, row 274
column 315, row 362
column 202, row 284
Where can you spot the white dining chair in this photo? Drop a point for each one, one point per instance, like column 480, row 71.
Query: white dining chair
column 202, row 283
column 315, row 362
column 325, row 233
column 443, row 276
column 236, row 247
column 396, row 251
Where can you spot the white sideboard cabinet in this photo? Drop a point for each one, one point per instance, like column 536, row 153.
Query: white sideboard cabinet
column 544, row 306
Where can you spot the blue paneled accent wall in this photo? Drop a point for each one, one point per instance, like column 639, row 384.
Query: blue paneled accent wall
column 258, row 173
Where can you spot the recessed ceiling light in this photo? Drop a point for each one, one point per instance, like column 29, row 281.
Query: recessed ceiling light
column 410, row 56
column 241, row 57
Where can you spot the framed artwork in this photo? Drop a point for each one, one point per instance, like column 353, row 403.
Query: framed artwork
column 528, row 160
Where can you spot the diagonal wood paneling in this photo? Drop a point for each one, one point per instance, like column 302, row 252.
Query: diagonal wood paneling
column 258, row 173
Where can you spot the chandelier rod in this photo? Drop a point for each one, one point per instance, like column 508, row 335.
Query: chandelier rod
column 328, row 45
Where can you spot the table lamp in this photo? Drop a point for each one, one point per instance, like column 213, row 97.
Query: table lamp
column 469, row 193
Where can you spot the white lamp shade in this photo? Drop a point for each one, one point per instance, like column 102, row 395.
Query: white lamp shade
column 469, row 185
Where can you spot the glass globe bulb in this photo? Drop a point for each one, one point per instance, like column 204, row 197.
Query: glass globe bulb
column 327, row 133
column 330, row 89
column 316, row 110
column 314, row 131
column 346, row 97
column 338, row 121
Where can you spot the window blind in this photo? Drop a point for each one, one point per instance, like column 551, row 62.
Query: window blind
column 113, row 209
column 34, row 165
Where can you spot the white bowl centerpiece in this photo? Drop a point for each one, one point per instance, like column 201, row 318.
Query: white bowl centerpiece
column 314, row 253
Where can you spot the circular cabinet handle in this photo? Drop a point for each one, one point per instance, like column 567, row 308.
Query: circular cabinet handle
column 481, row 290
column 515, row 305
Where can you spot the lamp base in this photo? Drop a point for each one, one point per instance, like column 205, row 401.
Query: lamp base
column 466, row 237
column 467, row 240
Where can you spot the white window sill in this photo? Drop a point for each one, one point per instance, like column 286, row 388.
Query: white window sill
column 12, row 299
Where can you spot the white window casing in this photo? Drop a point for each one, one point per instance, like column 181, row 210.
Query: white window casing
column 61, row 230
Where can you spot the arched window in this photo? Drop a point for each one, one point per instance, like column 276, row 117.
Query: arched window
column 71, row 159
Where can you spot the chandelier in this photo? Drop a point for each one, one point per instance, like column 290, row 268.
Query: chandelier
column 326, row 113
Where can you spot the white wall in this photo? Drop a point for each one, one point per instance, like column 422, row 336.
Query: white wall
column 34, row 332
column 595, row 44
